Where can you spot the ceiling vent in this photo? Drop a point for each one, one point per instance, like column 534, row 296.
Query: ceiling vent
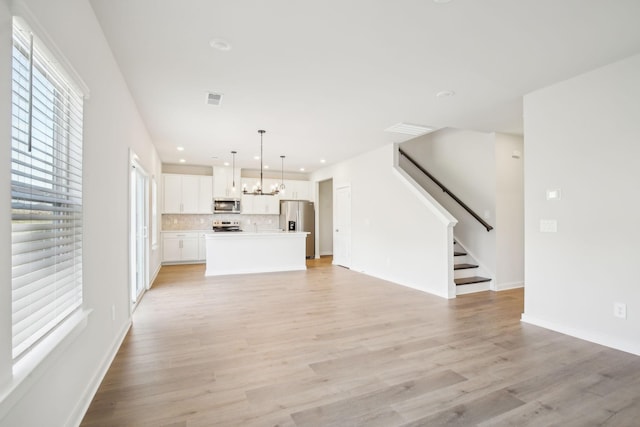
column 214, row 98
column 409, row 129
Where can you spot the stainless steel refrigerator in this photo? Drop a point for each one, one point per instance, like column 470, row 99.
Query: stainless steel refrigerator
column 297, row 215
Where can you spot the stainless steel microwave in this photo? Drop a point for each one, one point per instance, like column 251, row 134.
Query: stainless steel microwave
column 227, row 206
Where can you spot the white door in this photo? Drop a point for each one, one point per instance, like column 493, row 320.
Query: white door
column 139, row 265
column 342, row 228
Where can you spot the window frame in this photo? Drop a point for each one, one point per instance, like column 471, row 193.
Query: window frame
column 52, row 74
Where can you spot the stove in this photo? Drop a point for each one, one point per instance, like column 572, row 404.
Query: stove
column 221, row 226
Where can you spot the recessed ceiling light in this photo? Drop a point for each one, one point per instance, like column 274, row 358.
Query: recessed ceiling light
column 301, row 169
column 445, row 93
column 226, row 163
column 180, row 148
column 256, row 157
column 266, row 166
column 220, row 44
column 323, row 161
column 182, row 160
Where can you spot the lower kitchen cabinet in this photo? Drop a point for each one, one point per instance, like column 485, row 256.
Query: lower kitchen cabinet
column 180, row 247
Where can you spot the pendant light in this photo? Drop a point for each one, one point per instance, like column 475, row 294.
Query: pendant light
column 259, row 190
column 233, row 171
column 282, row 186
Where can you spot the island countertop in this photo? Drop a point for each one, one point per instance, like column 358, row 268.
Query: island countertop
column 256, row 234
column 255, row 252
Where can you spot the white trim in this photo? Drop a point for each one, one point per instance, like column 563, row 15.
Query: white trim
column 509, row 285
column 78, row 412
column 28, row 370
column 155, row 275
column 30, row 22
column 602, row 339
column 406, row 285
column 427, row 199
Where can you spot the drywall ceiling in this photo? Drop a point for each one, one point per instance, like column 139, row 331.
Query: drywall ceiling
column 325, row 78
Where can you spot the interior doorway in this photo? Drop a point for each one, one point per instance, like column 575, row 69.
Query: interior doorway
column 325, row 218
column 138, row 231
column 342, row 227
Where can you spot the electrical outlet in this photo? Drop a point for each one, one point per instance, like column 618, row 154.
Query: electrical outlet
column 620, row 310
column 175, row 221
column 201, row 220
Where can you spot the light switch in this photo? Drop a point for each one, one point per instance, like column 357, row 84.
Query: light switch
column 554, row 194
column 548, row 226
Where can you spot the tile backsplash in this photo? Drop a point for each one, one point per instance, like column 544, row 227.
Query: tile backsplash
column 172, row 222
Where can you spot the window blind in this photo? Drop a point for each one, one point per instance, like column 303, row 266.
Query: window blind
column 46, row 194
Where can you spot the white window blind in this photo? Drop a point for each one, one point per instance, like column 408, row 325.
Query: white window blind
column 46, row 194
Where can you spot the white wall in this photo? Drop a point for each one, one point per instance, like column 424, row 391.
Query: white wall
column 509, row 220
column 582, row 136
column 408, row 246
column 112, row 126
column 325, row 215
column 464, row 161
column 5, row 193
column 478, row 167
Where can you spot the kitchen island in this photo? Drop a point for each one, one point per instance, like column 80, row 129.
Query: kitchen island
column 260, row 252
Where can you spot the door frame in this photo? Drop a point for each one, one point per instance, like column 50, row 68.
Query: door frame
column 337, row 211
column 134, row 169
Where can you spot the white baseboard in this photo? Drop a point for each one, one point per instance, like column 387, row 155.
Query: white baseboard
column 155, row 276
column 509, row 285
column 82, row 406
column 626, row 346
column 326, row 253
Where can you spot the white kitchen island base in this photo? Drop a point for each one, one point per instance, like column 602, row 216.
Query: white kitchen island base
column 262, row 252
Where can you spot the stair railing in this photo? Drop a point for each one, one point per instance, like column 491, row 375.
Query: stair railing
column 446, row 190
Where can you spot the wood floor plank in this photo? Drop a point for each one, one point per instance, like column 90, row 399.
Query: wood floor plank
column 352, row 411
column 329, row 346
column 472, row 413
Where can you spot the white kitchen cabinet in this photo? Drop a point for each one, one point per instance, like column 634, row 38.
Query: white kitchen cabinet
column 187, row 194
column 297, row 190
column 190, row 193
column 205, row 195
column 180, row 247
column 223, row 179
column 172, row 190
column 260, row 205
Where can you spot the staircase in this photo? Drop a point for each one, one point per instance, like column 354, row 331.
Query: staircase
column 467, row 274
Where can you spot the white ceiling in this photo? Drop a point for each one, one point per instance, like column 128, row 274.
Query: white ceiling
column 325, row 78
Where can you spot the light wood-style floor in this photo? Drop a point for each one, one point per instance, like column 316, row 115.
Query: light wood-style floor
column 331, row 347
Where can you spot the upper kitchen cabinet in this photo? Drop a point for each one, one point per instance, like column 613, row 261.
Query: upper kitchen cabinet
column 297, row 190
column 187, row 194
column 223, row 179
column 260, row 205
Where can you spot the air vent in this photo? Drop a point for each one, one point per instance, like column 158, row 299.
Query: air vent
column 409, row 129
column 214, row 98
